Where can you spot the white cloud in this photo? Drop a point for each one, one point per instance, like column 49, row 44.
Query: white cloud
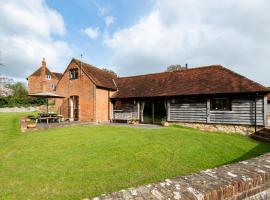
column 233, row 33
column 102, row 11
column 27, row 34
column 109, row 20
column 92, row 33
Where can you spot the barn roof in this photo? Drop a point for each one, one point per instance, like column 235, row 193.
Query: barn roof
column 214, row 79
column 100, row 77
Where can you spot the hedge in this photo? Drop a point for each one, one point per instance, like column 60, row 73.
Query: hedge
column 20, row 101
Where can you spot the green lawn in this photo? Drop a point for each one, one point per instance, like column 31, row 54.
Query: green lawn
column 79, row 162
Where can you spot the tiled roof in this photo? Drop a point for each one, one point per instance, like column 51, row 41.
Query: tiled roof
column 100, row 77
column 214, row 79
column 58, row 75
column 48, row 72
column 38, row 71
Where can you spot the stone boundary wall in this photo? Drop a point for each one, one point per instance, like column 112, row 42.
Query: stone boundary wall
column 240, row 129
column 249, row 180
column 41, row 108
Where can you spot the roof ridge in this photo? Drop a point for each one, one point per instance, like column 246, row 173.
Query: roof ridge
column 178, row 71
column 242, row 76
column 46, row 68
column 89, row 65
column 99, row 76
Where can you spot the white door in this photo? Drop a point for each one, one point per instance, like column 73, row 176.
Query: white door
column 71, row 108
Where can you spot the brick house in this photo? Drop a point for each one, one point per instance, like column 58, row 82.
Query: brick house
column 43, row 80
column 87, row 91
column 209, row 95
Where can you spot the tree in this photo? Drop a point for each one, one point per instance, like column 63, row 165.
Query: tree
column 18, row 89
column 172, row 68
column 110, row 72
column 4, row 86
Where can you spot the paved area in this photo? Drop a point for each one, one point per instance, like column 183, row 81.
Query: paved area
column 77, row 123
column 248, row 180
column 150, row 126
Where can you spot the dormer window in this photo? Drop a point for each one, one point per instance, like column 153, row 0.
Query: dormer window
column 48, row 77
column 73, row 73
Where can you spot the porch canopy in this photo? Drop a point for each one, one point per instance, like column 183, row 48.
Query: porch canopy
column 46, row 95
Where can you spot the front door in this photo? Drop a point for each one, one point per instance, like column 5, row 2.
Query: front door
column 74, row 108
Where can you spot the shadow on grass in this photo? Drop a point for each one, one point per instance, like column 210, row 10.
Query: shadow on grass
column 260, row 149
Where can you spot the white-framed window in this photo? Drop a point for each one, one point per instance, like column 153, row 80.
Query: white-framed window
column 48, row 77
column 53, row 86
column 73, row 73
column 221, row 104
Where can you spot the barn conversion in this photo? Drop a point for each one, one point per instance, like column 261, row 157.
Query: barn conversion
column 211, row 95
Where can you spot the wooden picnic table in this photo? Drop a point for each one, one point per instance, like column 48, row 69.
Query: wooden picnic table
column 48, row 118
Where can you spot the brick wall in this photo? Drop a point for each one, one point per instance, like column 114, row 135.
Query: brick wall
column 102, row 105
column 38, row 83
column 248, row 180
column 82, row 87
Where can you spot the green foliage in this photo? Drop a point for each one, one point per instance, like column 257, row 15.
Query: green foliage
column 19, row 97
column 13, row 101
column 80, row 162
column 19, row 90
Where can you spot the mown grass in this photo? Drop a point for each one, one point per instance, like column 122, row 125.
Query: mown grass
column 85, row 161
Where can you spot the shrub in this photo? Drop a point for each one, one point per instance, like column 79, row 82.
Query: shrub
column 12, row 101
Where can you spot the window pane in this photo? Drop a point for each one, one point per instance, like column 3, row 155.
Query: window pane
column 221, row 104
column 73, row 73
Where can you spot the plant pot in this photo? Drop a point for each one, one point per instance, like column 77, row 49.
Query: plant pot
column 31, row 126
column 165, row 124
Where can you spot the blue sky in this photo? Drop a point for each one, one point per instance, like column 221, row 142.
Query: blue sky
column 79, row 15
column 135, row 36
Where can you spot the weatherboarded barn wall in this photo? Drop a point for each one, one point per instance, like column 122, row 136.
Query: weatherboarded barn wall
column 129, row 110
column 187, row 110
column 242, row 113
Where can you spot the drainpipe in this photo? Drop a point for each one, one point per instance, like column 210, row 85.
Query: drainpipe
column 255, row 113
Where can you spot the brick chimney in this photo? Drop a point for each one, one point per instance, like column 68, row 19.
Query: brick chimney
column 43, row 69
column 43, row 75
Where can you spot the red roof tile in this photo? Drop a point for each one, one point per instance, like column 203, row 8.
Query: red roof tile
column 58, row 75
column 48, row 72
column 213, row 79
column 100, row 77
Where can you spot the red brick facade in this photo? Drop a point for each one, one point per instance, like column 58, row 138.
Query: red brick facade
column 93, row 101
column 42, row 80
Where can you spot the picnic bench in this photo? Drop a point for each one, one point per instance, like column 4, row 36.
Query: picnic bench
column 47, row 117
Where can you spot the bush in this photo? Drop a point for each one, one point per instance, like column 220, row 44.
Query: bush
column 19, row 97
column 12, row 101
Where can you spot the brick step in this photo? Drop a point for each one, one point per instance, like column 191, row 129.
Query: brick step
column 255, row 136
column 263, row 133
